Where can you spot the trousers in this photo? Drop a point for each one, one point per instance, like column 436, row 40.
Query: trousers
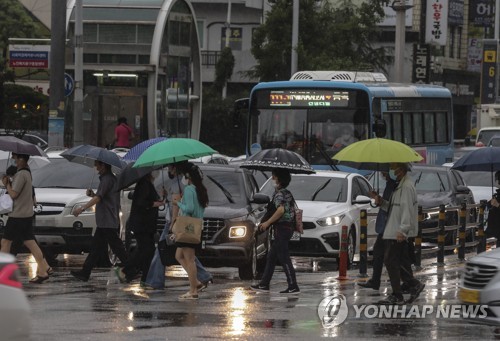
column 398, row 264
column 156, row 273
column 102, row 237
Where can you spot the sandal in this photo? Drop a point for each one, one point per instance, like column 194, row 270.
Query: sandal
column 50, row 271
column 38, row 279
column 188, row 296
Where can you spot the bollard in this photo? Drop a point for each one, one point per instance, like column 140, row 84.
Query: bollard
column 343, row 254
column 481, row 246
column 418, row 240
column 441, row 235
column 461, row 231
column 363, row 244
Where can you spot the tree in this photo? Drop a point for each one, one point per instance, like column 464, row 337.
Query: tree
column 15, row 22
column 224, row 67
column 331, row 37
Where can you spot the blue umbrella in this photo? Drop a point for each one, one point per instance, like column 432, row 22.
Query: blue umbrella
column 136, row 151
column 486, row 159
column 87, row 154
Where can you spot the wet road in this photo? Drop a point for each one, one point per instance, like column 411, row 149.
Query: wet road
column 103, row 309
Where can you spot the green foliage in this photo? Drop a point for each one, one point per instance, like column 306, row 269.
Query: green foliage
column 24, row 107
column 331, row 37
column 15, row 22
column 217, row 123
column 224, row 67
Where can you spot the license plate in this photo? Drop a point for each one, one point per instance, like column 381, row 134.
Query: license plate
column 468, row 296
column 295, row 237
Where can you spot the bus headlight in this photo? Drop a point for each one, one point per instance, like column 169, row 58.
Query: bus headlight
column 237, row 231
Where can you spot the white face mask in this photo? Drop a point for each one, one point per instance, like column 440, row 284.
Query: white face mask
column 184, row 181
column 155, row 173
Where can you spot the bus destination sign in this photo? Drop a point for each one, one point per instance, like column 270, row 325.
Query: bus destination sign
column 307, row 98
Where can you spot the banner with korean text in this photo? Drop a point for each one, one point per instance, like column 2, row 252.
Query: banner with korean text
column 29, row 56
column 436, row 22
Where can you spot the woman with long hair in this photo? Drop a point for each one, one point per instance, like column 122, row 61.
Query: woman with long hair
column 193, row 203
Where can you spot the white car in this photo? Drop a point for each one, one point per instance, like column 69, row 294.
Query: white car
column 480, row 284
column 15, row 324
column 60, row 187
column 330, row 200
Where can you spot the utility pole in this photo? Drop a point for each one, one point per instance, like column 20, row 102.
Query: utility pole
column 57, row 66
column 228, row 36
column 78, row 99
column 295, row 36
column 400, row 7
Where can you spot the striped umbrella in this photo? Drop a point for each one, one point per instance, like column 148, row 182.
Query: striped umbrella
column 136, row 151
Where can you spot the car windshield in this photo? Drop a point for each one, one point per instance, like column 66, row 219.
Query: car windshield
column 430, row 180
column 60, row 173
column 478, row 178
column 314, row 188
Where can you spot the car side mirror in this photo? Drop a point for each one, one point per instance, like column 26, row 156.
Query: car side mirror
column 461, row 189
column 260, row 198
column 130, row 195
column 362, row 200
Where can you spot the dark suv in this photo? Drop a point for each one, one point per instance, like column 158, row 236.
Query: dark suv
column 230, row 223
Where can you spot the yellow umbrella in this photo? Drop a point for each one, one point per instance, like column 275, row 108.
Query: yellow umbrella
column 376, row 154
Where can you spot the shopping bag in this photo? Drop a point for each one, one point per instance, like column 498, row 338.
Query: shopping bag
column 299, row 227
column 187, row 229
column 6, row 204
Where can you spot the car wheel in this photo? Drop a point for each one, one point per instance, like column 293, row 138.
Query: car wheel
column 248, row 271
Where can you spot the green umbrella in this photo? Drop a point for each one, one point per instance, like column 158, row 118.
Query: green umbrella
column 376, row 154
column 171, row 151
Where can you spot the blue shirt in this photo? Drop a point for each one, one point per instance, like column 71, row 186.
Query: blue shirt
column 382, row 215
column 189, row 204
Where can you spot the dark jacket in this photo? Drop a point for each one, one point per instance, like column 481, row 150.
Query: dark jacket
column 142, row 213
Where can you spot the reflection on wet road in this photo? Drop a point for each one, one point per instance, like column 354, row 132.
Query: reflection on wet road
column 103, row 309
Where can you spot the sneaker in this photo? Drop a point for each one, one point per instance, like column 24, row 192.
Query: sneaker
column 369, row 284
column 260, row 288
column 393, row 300
column 405, row 288
column 79, row 275
column 291, row 291
column 415, row 292
column 120, row 275
column 188, row 296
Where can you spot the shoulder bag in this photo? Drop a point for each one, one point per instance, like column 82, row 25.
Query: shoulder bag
column 187, row 229
column 299, row 226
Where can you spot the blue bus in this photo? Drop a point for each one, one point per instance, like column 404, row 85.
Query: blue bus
column 317, row 113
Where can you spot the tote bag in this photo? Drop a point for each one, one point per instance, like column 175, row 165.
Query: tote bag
column 187, row 229
column 6, row 204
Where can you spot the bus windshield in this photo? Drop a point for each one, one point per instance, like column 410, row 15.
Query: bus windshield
column 312, row 123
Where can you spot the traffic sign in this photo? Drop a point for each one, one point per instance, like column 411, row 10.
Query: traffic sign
column 69, row 85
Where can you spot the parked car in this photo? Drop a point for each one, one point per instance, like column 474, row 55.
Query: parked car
column 15, row 324
column 439, row 185
column 329, row 200
column 485, row 134
column 235, row 208
column 217, row 159
column 494, row 141
column 480, row 284
column 60, row 187
column 480, row 183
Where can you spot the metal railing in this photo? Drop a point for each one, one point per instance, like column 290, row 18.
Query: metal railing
column 475, row 229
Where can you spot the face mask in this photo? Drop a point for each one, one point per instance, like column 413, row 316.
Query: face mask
column 155, row 174
column 184, row 181
column 392, row 174
column 13, row 162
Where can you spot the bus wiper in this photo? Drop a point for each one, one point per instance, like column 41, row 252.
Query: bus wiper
column 324, row 154
column 224, row 190
column 418, row 179
column 320, row 189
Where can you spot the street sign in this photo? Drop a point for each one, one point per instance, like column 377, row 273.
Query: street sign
column 30, row 56
column 69, row 85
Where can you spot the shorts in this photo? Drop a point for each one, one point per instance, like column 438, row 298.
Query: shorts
column 19, row 229
column 192, row 246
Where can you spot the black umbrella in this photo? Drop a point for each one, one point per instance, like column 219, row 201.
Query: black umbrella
column 268, row 159
column 130, row 175
column 15, row 145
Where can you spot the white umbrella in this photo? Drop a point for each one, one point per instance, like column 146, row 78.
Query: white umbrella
column 35, row 161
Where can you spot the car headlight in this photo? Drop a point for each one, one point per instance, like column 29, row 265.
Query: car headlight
column 331, row 220
column 237, row 231
column 90, row 210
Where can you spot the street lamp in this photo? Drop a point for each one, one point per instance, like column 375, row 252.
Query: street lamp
column 400, row 7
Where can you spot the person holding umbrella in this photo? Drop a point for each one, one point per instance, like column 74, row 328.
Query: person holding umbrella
column 107, row 202
column 283, row 222
column 143, row 215
column 20, row 223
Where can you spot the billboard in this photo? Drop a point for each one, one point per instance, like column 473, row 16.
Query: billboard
column 30, row 56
